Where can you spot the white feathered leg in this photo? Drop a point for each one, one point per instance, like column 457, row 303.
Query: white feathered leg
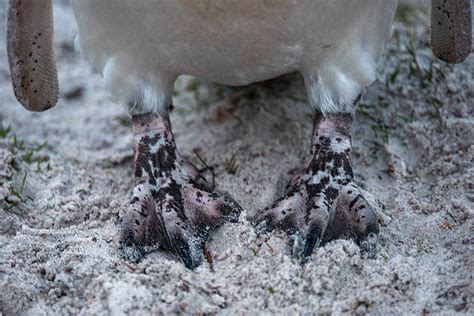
column 141, row 92
column 322, row 202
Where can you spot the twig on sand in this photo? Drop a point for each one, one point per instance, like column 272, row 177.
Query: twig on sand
column 270, row 248
column 208, row 257
column 231, row 164
column 206, row 167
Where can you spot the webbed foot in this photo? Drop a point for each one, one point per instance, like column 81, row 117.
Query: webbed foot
column 172, row 206
column 322, row 202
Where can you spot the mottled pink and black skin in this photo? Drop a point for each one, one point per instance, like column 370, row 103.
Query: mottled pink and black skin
column 172, row 206
column 322, row 202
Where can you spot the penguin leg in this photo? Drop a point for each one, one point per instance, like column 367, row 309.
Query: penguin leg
column 172, row 206
column 322, row 202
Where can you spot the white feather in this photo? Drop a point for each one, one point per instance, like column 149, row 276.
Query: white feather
column 141, row 46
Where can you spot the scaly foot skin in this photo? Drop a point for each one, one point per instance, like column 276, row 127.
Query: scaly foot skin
column 322, row 202
column 172, row 206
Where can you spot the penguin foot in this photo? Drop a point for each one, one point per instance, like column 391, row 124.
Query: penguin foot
column 322, row 202
column 172, row 205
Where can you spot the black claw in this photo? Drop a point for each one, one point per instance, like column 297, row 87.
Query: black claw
column 231, row 209
column 131, row 252
column 260, row 226
column 313, row 239
column 372, row 224
column 369, row 245
column 311, row 242
column 298, row 248
column 183, row 250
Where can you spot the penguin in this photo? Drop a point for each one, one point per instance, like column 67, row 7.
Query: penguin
column 140, row 47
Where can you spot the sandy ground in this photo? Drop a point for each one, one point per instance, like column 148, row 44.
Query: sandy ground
column 66, row 175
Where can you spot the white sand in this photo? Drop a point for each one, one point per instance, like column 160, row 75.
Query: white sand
column 413, row 147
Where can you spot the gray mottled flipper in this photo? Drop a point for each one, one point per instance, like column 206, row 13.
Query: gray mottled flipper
column 30, row 47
